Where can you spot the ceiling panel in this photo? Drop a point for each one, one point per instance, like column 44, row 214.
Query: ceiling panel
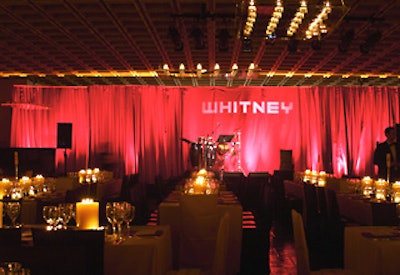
column 87, row 42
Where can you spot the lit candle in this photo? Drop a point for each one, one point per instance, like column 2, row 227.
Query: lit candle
column 366, row 181
column 199, row 185
column 366, row 186
column 396, row 191
column 87, row 214
column 322, row 178
column 314, row 177
column 2, row 193
column 82, row 174
column 89, row 173
column 307, row 175
column 380, row 186
column 39, row 179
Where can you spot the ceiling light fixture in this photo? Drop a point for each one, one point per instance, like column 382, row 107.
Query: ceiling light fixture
column 251, row 19
column 297, row 19
column 234, row 70
column 217, row 70
column 199, row 69
column 274, row 20
column 317, row 26
column 250, row 70
column 182, row 70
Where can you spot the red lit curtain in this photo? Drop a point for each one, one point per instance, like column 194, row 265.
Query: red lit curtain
column 140, row 127
column 35, row 115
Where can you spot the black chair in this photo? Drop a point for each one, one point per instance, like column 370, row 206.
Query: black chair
column 235, row 182
column 312, row 224
column 254, row 194
column 10, row 237
column 67, row 252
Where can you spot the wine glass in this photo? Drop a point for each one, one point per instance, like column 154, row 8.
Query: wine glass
column 65, row 213
column 13, row 209
column 129, row 215
column 119, row 216
column 51, row 215
column 110, row 214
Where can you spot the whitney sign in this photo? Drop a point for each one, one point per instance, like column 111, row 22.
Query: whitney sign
column 245, row 107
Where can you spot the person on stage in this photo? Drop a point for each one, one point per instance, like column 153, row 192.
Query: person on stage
column 387, row 155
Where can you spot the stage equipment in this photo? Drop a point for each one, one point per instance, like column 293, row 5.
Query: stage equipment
column 64, row 140
column 223, row 149
column 202, row 153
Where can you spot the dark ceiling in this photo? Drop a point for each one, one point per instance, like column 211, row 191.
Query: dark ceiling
column 88, row 42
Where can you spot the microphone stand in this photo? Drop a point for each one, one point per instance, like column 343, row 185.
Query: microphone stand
column 65, row 161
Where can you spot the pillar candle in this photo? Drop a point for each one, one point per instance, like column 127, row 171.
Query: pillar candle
column 2, row 192
column 87, row 214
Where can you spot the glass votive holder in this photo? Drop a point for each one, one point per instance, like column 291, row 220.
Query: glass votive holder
column 380, row 194
column 367, row 191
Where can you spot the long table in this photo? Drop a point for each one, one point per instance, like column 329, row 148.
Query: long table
column 351, row 205
column 372, row 250
column 169, row 215
column 367, row 211
column 147, row 252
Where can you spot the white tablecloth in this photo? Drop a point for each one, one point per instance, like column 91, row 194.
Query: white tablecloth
column 376, row 253
column 169, row 215
column 140, row 255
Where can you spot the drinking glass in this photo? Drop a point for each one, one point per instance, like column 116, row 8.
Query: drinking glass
column 110, row 214
column 119, row 216
column 13, row 209
column 129, row 215
column 65, row 213
column 51, row 215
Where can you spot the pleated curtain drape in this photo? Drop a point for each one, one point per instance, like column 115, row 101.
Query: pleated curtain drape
column 141, row 127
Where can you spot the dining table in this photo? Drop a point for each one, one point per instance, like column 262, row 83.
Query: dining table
column 169, row 214
column 372, row 250
column 352, row 205
column 146, row 252
column 367, row 211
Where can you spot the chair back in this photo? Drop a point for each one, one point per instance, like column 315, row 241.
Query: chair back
column 310, row 207
column 198, row 234
column 84, row 247
column 236, row 182
column 254, row 195
column 10, row 236
column 10, row 244
column 300, row 244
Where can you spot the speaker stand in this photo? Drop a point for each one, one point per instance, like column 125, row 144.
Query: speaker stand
column 65, row 161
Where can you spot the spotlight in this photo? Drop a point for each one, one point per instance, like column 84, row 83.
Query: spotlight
column 247, row 45
column 292, row 45
column 270, row 39
column 198, row 36
column 223, row 37
column 370, row 42
column 345, row 40
column 175, row 38
column 316, row 44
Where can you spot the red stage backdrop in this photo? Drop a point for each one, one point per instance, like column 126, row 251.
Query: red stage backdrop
column 139, row 128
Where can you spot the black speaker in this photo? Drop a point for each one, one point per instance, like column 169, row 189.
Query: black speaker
column 398, row 132
column 64, row 135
